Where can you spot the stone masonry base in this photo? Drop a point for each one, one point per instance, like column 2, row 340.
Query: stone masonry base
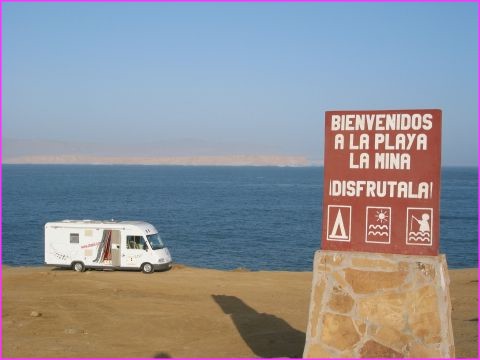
column 370, row 305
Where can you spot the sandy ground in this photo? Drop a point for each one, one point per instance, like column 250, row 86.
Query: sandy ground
column 185, row 312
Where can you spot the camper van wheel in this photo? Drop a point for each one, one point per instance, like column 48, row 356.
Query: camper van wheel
column 147, row 268
column 78, row 267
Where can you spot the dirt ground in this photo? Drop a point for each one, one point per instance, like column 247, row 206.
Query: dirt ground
column 185, row 312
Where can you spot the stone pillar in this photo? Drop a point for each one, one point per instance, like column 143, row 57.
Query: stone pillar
column 371, row 305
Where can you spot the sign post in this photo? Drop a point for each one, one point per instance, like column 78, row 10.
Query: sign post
column 380, row 288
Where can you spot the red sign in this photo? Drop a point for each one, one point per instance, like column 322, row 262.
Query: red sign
column 382, row 181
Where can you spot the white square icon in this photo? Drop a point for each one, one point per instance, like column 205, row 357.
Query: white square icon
column 419, row 226
column 339, row 222
column 378, row 221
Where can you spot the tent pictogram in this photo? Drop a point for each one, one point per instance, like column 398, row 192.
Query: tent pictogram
column 339, row 222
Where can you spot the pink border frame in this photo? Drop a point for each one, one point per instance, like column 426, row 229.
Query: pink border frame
column 478, row 163
column 238, row 1
column 357, row 1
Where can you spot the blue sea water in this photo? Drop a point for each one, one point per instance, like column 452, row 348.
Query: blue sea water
column 265, row 218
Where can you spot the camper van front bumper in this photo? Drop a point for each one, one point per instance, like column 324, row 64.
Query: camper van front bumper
column 165, row 266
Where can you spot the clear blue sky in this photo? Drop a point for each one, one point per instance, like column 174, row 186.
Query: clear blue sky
column 250, row 75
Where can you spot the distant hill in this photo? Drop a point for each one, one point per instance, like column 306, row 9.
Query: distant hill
column 238, row 160
column 56, row 152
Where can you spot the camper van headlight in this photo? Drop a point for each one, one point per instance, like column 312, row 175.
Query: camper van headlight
column 161, row 260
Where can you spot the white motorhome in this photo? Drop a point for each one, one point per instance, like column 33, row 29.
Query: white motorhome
column 82, row 244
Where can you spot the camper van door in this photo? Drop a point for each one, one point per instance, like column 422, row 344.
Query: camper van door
column 116, row 262
column 135, row 251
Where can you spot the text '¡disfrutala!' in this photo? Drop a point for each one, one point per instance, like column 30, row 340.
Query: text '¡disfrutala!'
column 381, row 189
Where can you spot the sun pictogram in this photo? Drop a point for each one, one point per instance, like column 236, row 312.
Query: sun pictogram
column 382, row 216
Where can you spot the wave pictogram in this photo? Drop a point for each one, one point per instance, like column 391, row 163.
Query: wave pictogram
column 379, row 227
column 420, row 236
column 419, row 233
column 418, row 239
column 380, row 233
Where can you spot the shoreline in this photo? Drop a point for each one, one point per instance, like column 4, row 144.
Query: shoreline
column 201, row 165
column 184, row 312
column 181, row 265
column 177, row 266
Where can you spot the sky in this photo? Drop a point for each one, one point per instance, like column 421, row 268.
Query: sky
column 233, row 78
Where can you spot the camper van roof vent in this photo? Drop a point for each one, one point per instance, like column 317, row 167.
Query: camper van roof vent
column 89, row 221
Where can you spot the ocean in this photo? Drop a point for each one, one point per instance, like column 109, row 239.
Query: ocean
column 258, row 218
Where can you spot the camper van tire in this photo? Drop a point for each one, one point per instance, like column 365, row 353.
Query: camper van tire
column 78, row 266
column 147, row 268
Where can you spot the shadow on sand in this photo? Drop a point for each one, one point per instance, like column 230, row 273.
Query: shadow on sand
column 162, row 355
column 267, row 335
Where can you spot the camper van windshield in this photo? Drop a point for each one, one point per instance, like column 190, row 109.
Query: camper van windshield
column 155, row 242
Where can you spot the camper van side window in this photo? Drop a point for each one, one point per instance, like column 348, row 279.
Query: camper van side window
column 74, row 238
column 135, row 242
